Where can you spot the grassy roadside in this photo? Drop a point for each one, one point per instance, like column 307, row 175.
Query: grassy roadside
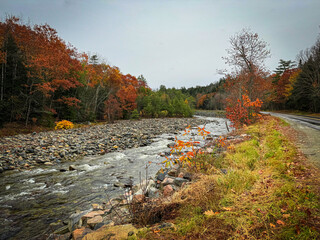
column 268, row 191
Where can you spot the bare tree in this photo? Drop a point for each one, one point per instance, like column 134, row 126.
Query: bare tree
column 247, row 51
column 247, row 55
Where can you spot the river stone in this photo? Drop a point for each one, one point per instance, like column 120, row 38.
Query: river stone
column 74, row 219
column 29, row 150
column 178, row 181
column 173, row 172
column 118, row 232
column 99, row 225
column 66, row 236
column 79, row 233
column 94, row 221
column 167, row 181
column 153, row 192
column 151, row 184
column 161, row 176
column 167, row 190
column 93, row 214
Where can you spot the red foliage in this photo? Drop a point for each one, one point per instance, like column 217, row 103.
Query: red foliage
column 243, row 111
column 283, row 87
column 112, row 109
column 70, row 101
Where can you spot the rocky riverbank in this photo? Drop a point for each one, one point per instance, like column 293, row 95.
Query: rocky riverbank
column 137, row 205
column 49, row 148
column 146, row 203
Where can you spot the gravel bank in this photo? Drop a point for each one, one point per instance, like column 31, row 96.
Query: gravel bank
column 48, row 148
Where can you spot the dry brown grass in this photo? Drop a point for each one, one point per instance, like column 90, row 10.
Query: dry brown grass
column 14, row 128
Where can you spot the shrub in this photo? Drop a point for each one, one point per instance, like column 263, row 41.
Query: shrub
column 243, row 112
column 64, row 124
column 135, row 114
column 164, row 113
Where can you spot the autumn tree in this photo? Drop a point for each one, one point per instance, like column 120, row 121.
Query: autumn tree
column 44, row 79
column 282, row 84
column 306, row 90
column 246, row 56
column 39, row 66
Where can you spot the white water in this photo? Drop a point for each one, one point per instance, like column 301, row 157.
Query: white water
column 31, row 200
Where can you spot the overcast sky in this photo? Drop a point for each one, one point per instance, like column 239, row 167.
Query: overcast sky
column 178, row 42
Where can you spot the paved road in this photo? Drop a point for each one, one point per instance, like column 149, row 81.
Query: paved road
column 308, row 134
column 310, row 121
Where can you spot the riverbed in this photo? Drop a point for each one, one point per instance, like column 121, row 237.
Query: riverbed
column 32, row 201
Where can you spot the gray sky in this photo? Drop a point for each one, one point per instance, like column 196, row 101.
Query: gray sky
column 174, row 43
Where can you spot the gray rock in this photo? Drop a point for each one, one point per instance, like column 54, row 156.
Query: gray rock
column 187, row 176
column 74, row 219
column 167, row 181
column 153, row 192
column 173, row 172
column 29, row 150
column 161, row 176
column 178, row 181
column 99, row 225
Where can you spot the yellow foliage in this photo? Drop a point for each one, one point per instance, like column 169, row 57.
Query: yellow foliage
column 64, row 124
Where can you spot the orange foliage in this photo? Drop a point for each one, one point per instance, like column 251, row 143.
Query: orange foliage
column 70, row 101
column 177, row 155
column 244, row 111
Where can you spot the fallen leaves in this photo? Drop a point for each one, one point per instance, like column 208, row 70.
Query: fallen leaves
column 210, row 213
column 227, row 208
column 280, row 222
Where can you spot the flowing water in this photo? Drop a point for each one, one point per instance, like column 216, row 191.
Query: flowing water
column 31, row 200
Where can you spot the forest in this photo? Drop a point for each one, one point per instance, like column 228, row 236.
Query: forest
column 44, row 79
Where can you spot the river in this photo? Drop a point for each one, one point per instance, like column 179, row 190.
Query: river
column 32, row 200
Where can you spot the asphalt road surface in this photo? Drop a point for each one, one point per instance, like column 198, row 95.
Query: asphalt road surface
column 310, row 121
column 308, row 128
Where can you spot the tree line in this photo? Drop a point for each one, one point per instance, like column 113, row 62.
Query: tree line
column 44, row 79
column 293, row 85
